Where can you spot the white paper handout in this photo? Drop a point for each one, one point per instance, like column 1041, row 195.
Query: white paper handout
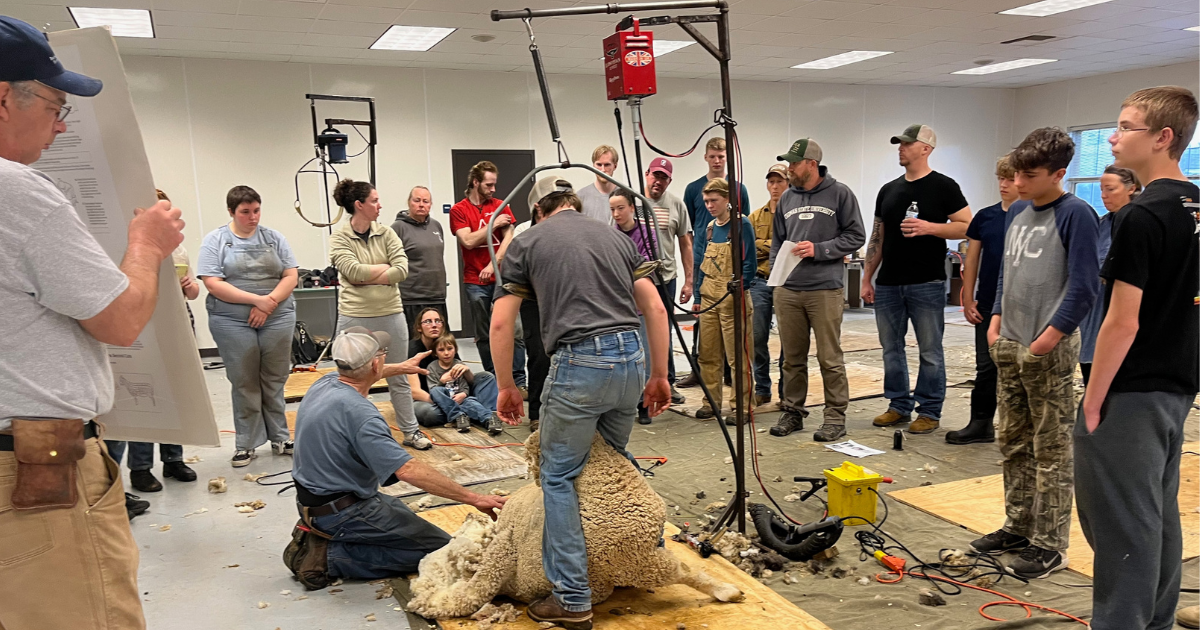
column 100, row 164
column 853, row 449
column 785, row 262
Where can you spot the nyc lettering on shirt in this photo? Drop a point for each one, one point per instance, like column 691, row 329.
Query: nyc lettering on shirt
column 1019, row 243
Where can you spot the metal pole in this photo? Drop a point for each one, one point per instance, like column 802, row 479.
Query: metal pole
column 739, row 305
column 371, row 144
column 521, row 14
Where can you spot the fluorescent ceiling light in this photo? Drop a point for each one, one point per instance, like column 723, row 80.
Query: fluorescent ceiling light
column 842, row 59
column 1005, row 65
column 1192, row 28
column 419, row 38
column 122, row 22
column 1050, row 7
column 664, row 46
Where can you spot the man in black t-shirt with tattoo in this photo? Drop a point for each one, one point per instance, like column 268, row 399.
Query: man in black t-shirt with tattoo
column 914, row 215
column 1129, row 435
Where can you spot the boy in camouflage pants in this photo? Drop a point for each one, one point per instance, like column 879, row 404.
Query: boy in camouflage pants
column 1048, row 283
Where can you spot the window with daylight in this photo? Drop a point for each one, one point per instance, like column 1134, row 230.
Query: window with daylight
column 1093, row 154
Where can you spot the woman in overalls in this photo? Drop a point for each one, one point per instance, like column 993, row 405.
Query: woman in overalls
column 371, row 262
column 250, row 273
column 714, row 271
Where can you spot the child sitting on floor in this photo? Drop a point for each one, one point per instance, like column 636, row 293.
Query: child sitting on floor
column 449, row 382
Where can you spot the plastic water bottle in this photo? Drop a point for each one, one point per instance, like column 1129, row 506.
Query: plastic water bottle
column 911, row 213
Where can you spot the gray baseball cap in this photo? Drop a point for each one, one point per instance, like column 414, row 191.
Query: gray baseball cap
column 917, row 133
column 356, row 345
column 547, row 186
column 803, row 149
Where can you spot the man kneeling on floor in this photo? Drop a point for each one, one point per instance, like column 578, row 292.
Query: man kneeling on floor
column 344, row 452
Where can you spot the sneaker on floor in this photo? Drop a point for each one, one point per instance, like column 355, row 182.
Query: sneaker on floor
column 829, row 433
column 762, row 399
column 418, row 441
column 999, row 541
column 283, row 448
column 1036, row 562
column 495, row 424
column 135, row 506
column 179, row 471
column 462, row 423
column 524, row 392
column 547, row 610
column 242, row 457
column 144, row 481
column 788, row 421
column 676, row 397
column 688, row 381
column 705, row 413
column 1188, row 617
column 923, row 425
column 891, row 417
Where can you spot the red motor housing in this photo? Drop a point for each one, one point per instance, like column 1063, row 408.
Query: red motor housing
column 629, row 64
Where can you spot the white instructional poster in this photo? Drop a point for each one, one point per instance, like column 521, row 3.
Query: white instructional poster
column 100, row 164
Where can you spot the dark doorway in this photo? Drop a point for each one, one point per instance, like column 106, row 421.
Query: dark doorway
column 513, row 165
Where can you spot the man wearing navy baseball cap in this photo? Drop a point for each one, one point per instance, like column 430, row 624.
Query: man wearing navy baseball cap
column 61, row 300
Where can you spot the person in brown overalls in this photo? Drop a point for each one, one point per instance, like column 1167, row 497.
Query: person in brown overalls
column 714, row 263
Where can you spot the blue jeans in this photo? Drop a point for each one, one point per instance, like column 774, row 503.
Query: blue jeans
column 925, row 305
column 668, row 301
column 484, row 390
column 763, row 298
column 479, row 298
column 594, row 385
column 377, row 538
column 478, row 406
column 141, row 454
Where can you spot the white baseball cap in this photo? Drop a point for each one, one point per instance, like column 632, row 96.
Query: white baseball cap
column 356, row 345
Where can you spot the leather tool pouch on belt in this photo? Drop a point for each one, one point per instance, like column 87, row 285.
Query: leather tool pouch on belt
column 46, row 452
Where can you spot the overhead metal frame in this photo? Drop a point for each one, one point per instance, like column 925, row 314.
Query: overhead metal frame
column 721, row 51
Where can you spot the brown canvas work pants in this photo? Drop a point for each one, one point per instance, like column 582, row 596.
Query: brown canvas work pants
column 716, row 326
column 70, row 567
column 820, row 312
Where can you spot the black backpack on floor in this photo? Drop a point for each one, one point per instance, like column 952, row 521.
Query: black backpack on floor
column 305, row 349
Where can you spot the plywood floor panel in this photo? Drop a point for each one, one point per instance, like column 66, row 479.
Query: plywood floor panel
column 298, row 383
column 978, row 505
column 477, row 466
column 763, row 609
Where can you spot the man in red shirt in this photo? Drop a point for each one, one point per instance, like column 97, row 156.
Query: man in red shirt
column 468, row 221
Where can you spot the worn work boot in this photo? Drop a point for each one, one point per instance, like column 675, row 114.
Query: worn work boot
column 135, row 506
column 643, row 415
column 705, row 412
column 829, row 433
column 144, row 481
column 999, row 541
column 1036, row 562
column 1188, row 617
column 179, row 471
column 306, row 556
column 923, row 425
column 891, row 417
column 788, row 421
column 762, row 399
column 549, row 611
column 691, row 380
column 978, row 431
column 534, row 425
column 676, row 397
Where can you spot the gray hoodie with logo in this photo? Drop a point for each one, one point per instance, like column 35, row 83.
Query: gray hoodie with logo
column 828, row 216
column 424, row 245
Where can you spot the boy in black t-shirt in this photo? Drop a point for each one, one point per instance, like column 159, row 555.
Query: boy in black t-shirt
column 1144, row 374
column 914, row 215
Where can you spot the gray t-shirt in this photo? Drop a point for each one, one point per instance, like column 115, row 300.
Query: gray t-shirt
column 343, row 443
column 673, row 222
column 55, row 273
column 595, row 204
column 434, row 378
column 582, row 274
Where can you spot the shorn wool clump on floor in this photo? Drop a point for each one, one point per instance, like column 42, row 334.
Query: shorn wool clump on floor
column 622, row 522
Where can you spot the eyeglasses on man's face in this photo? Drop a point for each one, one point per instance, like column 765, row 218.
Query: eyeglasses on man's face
column 63, row 109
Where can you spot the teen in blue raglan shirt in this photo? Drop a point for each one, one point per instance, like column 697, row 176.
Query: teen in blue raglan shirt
column 1048, row 283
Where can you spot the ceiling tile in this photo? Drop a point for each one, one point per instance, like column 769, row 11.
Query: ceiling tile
column 280, row 8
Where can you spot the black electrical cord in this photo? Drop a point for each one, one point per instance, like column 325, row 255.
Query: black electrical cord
column 719, row 119
column 364, row 139
column 621, row 140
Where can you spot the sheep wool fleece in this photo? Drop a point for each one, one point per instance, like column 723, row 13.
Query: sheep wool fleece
column 622, row 522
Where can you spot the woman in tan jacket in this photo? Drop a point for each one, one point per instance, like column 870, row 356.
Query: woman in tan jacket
column 370, row 260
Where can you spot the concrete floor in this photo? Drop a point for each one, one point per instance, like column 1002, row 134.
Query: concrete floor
column 188, row 574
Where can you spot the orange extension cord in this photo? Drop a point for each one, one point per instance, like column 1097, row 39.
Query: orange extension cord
column 1007, row 601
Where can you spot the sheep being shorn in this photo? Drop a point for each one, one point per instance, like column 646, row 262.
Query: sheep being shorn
column 622, row 522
